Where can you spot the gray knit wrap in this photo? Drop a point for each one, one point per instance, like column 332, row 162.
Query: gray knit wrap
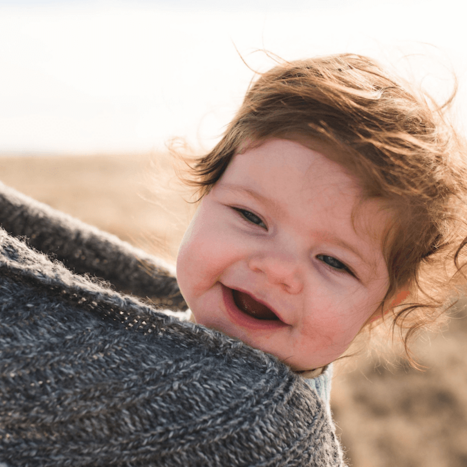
column 87, row 250
column 93, row 377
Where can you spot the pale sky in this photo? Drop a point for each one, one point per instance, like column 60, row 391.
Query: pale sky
column 118, row 76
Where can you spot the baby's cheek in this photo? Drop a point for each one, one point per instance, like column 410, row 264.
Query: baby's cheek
column 200, row 262
column 332, row 332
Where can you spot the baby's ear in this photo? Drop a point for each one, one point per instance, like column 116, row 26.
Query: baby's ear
column 377, row 315
column 397, row 300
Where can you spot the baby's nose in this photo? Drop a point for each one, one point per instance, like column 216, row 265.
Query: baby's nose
column 279, row 270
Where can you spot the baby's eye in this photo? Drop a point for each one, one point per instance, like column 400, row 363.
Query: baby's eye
column 334, row 263
column 250, row 217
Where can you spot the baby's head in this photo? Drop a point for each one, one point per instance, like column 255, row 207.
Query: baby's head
column 333, row 196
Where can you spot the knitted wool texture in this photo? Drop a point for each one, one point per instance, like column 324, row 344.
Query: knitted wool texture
column 89, row 376
column 87, row 250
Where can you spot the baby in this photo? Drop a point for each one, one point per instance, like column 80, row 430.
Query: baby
column 335, row 196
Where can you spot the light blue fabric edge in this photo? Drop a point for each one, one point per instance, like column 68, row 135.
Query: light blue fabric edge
column 322, row 385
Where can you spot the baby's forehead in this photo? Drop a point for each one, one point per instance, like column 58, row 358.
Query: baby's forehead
column 299, row 173
column 317, row 157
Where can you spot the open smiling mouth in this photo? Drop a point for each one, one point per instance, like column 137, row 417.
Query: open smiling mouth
column 248, row 305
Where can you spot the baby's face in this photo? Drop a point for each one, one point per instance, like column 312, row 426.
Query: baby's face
column 272, row 256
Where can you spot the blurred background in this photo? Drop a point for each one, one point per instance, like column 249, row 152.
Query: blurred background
column 91, row 92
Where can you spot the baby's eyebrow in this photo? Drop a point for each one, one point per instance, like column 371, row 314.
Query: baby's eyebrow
column 253, row 193
column 346, row 245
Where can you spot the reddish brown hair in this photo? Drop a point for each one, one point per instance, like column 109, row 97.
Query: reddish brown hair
column 393, row 139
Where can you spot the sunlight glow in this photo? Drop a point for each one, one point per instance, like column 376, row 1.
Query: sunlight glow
column 119, row 77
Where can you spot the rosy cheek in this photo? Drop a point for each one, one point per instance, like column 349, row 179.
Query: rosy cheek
column 185, row 265
column 333, row 331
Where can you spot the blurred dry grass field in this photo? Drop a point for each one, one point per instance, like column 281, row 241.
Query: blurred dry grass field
column 389, row 415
